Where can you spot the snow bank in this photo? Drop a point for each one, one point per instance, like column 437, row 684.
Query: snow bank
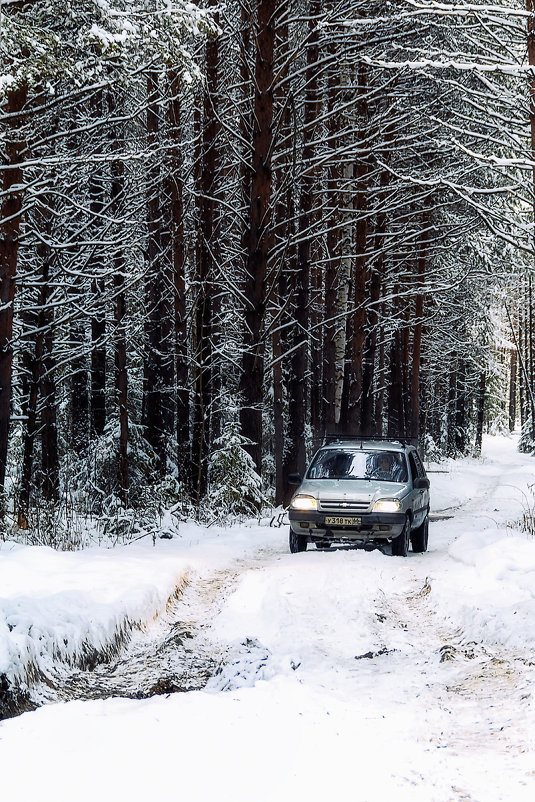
column 77, row 607
column 491, row 593
column 485, row 582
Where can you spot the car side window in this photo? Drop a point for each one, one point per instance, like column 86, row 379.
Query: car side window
column 419, row 464
column 413, row 466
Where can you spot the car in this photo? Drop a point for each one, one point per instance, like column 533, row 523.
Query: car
column 363, row 492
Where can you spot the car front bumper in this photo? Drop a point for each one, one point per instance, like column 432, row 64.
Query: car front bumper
column 366, row 526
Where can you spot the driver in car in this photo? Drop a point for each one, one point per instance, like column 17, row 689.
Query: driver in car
column 385, row 468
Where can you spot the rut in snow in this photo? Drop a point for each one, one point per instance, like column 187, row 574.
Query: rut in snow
column 489, row 688
column 171, row 655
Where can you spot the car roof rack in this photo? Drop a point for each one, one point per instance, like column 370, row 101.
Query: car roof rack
column 361, row 438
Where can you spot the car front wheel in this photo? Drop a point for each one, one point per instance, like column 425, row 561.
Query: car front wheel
column 400, row 544
column 297, row 542
column 420, row 537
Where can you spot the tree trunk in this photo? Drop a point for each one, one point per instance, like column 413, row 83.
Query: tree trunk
column 179, row 284
column 461, row 412
column 417, row 334
column 395, row 388
column 121, row 372
column 284, row 237
column 10, row 225
column 155, row 417
column 97, row 194
column 344, row 282
column 207, row 389
column 251, row 384
column 354, row 415
column 31, row 370
column 512, row 389
column 333, row 270
column 530, row 8
column 297, row 383
column 368, row 422
column 381, row 375
column 452, row 406
column 480, row 411
column 49, row 431
column 79, row 391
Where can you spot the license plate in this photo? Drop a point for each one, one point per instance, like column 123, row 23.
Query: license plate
column 332, row 520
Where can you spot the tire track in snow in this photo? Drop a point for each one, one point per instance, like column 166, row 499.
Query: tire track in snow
column 173, row 654
column 485, row 691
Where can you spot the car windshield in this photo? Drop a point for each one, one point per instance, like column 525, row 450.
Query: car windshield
column 387, row 466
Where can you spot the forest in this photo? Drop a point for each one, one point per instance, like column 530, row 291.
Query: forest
column 229, row 229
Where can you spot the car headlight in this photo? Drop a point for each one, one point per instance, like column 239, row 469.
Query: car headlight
column 387, row 505
column 304, row 503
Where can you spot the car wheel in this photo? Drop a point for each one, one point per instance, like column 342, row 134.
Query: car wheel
column 400, row 544
column 297, row 542
column 420, row 536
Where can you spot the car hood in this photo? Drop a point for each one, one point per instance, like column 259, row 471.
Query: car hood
column 352, row 489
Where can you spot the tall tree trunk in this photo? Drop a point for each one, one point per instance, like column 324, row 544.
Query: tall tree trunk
column 371, row 418
column 405, row 367
column 49, row 431
column 10, row 226
column 252, row 375
column 395, row 388
column 461, row 412
column 297, row 383
column 121, row 371
column 530, row 8
column 98, row 366
column 97, row 192
column 512, row 389
column 315, row 380
column 381, row 374
column 354, row 413
column 343, row 324
column 417, row 333
column 452, row 406
column 480, row 411
column 395, row 400
column 333, row 282
column 179, row 284
column 368, row 422
column 79, row 389
column 284, row 236
column 206, row 389
column 155, row 294
column 31, row 371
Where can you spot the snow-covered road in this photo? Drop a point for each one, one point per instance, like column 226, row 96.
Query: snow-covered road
column 344, row 675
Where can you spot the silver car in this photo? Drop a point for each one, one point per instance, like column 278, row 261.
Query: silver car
column 362, row 491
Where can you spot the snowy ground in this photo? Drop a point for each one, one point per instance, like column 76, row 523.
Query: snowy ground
column 343, row 674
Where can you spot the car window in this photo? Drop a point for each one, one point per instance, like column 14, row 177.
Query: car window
column 419, row 464
column 413, row 466
column 387, row 466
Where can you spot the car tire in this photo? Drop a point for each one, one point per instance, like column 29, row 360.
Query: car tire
column 420, row 536
column 297, row 542
column 400, row 544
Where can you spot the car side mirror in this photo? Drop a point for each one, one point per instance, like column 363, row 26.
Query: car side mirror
column 294, row 479
column 421, row 483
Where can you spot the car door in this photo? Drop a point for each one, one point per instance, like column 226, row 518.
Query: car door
column 420, row 496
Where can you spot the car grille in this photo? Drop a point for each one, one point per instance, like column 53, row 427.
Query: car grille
column 344, row 506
